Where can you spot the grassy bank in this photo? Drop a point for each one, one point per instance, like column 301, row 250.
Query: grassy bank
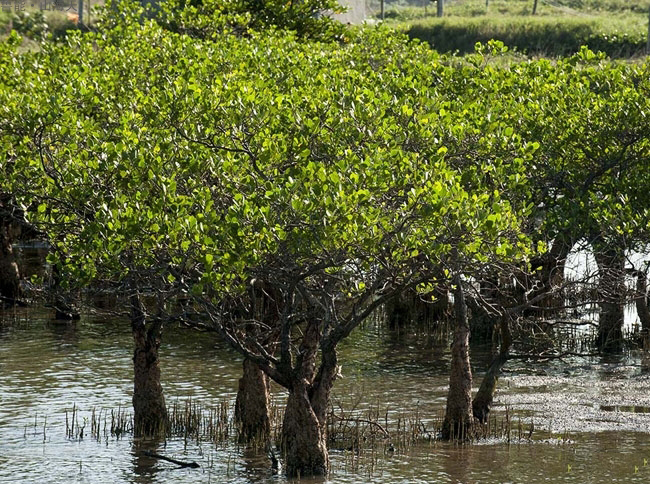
column 539, row 36
column 618, row 28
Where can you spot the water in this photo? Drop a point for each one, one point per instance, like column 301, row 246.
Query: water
column 590, row 418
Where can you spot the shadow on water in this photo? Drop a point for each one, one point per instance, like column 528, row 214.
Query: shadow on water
column 64, row 332
column 145, row 467
column 458, row 463
column 256, row 465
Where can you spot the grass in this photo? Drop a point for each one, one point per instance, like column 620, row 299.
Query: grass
column 618, row 27
column 546, row 36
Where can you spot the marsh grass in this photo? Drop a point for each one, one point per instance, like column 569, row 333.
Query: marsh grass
column 35, row 430
column 373, row 429
column 187, row 419
column 103, row 423
column 73, row 429
column 194, row 422
column 365, row 441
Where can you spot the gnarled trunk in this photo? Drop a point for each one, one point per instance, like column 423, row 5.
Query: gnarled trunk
column 304, row 438
column 482, row 403
column 459, row 419
column 611, row 289
column 9, row 274
column 304, row 429
column 149, row 410
column 252, row 407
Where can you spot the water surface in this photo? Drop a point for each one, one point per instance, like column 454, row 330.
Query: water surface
column 591, row 417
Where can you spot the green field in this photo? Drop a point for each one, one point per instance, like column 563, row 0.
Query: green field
column 618, row 28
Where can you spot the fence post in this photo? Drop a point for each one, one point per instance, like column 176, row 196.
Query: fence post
column 80, row 12
column 441, row 4
column 647, row 47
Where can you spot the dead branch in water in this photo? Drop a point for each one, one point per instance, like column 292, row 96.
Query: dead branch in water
column 180, row 463
column 361, row 420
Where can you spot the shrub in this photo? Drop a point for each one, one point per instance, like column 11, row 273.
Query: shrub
column 30, row 24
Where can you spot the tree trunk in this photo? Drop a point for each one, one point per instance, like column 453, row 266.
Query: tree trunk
column 13, row 227
column 63, row 309
column 459, row 419
column 304, row 440
column 398, row 312
column 9, row 273
column 534, row 7
column 304, row 429
column 641, row 301
column 150, row 412
column 550, row 276
column 484, row 398
column 611, row 288
column 252, row 407
column 440, row 10
column 647, row 46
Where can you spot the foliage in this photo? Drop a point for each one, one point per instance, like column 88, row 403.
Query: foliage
column 157, row 161
column 200, row 164
column 207, row 19
column 586, row 114
column 604, row 5
column 618, row 28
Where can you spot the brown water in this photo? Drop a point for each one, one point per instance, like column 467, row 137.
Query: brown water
column 591, row 417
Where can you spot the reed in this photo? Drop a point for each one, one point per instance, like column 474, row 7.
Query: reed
column 188, row 419
column 194, row 422
column 380, row 432
column 363, row 437
column 121, row 422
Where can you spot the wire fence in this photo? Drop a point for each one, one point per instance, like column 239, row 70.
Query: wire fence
column 411, row 9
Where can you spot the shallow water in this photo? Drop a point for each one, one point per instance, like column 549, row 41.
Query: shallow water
column 590, row 418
